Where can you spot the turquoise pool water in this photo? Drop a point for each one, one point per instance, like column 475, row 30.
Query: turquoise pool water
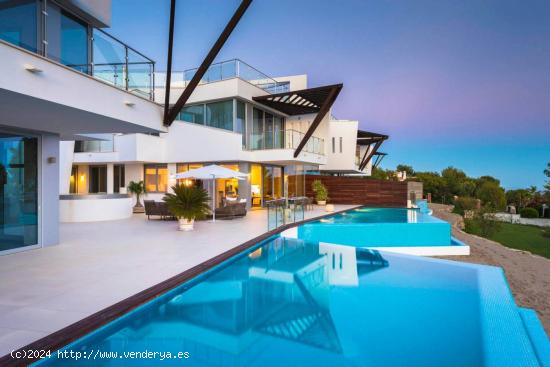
column 289, row 302
column 379, row 227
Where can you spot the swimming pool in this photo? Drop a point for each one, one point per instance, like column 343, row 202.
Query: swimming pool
column 289, row 302
column 400, row 230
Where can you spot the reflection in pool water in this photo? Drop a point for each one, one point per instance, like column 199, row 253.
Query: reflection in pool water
column 290, row 302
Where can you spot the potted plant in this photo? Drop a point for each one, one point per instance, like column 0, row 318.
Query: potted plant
column 138, row 189
column 321, row 192
column 187, row 203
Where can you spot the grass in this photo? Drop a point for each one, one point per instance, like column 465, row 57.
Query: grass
column 521, row 237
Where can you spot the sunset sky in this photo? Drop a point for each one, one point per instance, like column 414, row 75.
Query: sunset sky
column 461, row 83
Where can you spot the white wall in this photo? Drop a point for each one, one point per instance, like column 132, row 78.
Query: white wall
column 297, row 82
column 66, row 149
column 68, row 101
column 345, row 160
column 49, row 201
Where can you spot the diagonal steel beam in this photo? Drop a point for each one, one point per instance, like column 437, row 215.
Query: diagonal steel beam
column 327, row 104
column 173, row 112
column 169, row 60
column 376, row 146
column 365, row 155
column 378, row 160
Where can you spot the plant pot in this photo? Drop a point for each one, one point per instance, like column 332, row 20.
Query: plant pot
column 329, row 208
column 138, row 208
column 186, row 224
column 321, row 202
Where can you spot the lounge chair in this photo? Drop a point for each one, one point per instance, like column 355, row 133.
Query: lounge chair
column 158, row 208
column 231, row 211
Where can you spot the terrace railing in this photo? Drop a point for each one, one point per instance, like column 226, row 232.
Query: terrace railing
column 222, row 71
column 120, row 65
column 285, row 211
column 285, row 139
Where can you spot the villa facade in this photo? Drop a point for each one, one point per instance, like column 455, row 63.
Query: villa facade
column 229, row 120
column 82, row 115
column 60, row 81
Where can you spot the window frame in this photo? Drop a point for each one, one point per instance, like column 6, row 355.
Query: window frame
column 156, row 166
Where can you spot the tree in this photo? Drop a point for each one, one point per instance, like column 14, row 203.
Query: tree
column 433, row 183
column 379, row 174
column 492, row 195
column 454, row 181
column 547, row 173
column 408, row 169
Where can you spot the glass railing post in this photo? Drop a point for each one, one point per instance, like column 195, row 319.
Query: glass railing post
column 127, row 76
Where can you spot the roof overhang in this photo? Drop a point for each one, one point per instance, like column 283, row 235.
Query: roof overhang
column 367, row 137
column 299, row 102
column 36, row 114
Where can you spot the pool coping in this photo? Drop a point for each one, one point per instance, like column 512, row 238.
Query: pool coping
column 60, row 338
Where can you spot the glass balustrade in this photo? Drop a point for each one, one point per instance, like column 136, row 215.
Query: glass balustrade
column 222, row 71
column 285, row 139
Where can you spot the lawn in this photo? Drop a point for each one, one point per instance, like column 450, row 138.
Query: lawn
column 522, row 237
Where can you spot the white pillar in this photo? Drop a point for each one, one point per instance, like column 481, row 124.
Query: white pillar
column 110, row 178
column 172, row 170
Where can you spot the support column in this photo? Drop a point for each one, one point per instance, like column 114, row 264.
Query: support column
column 244, row 185
column 110, row 178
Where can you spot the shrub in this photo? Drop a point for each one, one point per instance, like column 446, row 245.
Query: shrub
column 188, row 202
column 529, row 213
column 320, row 190
column 464, row 203
column 483, row 224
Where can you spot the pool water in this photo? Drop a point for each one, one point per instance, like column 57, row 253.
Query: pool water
column 379, row 227
column 289, row 302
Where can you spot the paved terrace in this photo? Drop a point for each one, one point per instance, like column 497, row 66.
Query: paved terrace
column 99, row 264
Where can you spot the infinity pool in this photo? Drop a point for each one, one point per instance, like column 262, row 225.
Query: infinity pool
column 289, row 302
column 379, row 227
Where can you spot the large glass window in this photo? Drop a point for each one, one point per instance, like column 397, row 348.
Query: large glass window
column 240, row 120
column 98, row 179
column 295, row 181
column 268, row 127
column 119, row 179
column 220, row 115
column 18, row 23
column 67, row 39
column 193, row 114
column 257, row 129
column 278, row 132
column 272, row 183
column 18, row 191
column 156, row 177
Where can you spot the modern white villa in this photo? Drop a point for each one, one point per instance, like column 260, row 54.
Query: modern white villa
column 231, row 119
column 82, row 116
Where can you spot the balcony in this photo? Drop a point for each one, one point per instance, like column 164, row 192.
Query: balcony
column 222, row 71
column 285, row 139
column 49, row 30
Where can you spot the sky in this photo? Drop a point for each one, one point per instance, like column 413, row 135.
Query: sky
column 463, row 83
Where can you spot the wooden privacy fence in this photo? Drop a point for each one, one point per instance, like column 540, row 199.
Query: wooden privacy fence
column 362, row 191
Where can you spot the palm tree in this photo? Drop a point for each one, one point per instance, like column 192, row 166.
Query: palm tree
column 187, row 203
column 137, row 188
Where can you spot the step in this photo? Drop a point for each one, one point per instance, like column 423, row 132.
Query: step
column 537, row 335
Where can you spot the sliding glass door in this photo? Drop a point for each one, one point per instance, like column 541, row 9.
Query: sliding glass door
column 18, row 191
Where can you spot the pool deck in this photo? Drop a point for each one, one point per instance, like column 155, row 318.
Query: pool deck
column 98, row 264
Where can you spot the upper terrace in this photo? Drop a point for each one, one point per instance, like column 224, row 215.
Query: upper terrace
column 62, row 35
column 220, row 71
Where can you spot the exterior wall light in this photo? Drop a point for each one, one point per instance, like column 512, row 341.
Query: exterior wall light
column 33, row 69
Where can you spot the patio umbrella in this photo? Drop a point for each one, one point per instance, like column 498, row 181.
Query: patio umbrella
column 211, row 172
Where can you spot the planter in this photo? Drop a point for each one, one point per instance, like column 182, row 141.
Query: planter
column 321, row 202
column 329, row 208
column 138, row 209
column 186, row 224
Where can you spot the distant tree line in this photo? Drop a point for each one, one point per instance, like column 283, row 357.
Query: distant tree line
column 453, row 186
